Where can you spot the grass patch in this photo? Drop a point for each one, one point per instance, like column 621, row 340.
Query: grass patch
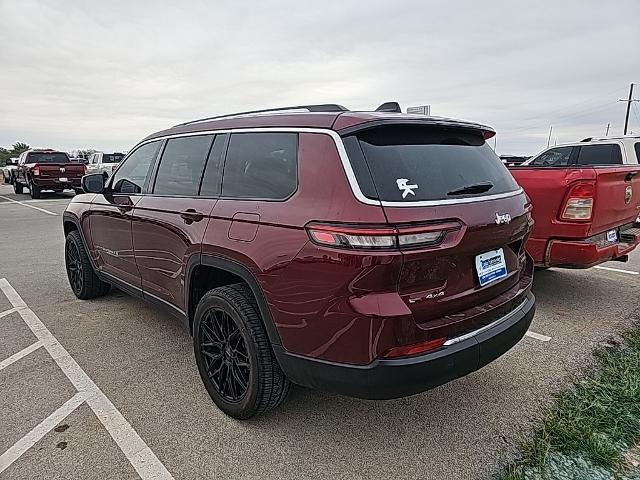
column 596, row 420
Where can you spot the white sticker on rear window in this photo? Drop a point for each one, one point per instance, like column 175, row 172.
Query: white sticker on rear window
column 404, row 188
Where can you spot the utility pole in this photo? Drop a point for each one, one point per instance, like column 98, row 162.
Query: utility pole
column 629, row 100
column 549, row 140
column 607, row 132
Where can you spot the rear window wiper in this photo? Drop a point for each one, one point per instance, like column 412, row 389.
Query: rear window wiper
column 470, row 189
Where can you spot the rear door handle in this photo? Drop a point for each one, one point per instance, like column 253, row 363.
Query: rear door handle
column 190, row 215
column 629, row 176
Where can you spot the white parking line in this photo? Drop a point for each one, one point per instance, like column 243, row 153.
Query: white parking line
column 30, row 206
column 8, row 312
column 22, row 353
column 537, row 336
column 134, row 448
column 618, row 270
column 31, row 438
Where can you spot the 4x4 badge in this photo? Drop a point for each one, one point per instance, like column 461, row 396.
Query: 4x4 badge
column 504, row 218
column 406, row 189
column 628, row 193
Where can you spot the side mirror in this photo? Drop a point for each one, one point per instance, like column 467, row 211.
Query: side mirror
column 93, row 183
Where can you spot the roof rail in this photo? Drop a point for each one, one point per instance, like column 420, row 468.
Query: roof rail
column 588, row 139
column 326, row 107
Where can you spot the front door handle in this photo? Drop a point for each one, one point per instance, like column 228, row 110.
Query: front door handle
column 629, row 176
column 190, row 216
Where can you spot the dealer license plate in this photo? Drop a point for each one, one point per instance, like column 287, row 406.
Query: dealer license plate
column 491, row 266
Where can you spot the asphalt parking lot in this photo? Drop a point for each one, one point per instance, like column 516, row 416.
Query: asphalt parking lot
column 111, row 390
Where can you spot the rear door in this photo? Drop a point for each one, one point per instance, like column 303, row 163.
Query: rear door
column 110, row 215
column 169, row 222
column 452, row 178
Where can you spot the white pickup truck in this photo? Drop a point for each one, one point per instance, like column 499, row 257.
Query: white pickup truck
column 104, row 163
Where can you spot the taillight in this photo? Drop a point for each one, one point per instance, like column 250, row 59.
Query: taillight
column 578, row 205
column 384, row 237
column 35, row 170
column 415, row 348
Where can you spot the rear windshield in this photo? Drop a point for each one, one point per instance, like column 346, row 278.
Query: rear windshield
column 55, row 157
column 413, row 163
column 112, row 157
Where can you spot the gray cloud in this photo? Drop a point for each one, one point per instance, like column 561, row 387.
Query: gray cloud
column 105, row 74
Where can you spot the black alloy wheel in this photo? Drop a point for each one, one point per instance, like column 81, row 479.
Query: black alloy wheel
column 225, row 354
column 74, row 268
column 234, row 355
column 82, row 277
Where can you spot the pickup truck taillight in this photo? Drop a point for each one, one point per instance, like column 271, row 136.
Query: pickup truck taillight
column 35, row 170
column 578, row 204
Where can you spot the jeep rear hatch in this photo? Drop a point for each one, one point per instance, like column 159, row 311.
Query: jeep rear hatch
column 431, row 176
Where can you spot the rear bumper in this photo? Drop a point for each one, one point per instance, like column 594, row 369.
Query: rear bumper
column 384, row 379
column 55, row 183
column 585, row 253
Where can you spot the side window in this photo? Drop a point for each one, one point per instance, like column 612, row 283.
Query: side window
column 213, row 174
column 636, row 146
column 600, row 155
column 131, row 176
column 181, row 165
column 261, row 166
column 556, row 157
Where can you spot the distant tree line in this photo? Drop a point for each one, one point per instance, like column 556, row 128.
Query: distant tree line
column 14, row 151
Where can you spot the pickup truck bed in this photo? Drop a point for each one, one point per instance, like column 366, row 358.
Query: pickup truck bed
column 565, row 234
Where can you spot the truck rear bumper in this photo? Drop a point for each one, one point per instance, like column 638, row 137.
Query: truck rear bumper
column 384, row 379
column 54, row 183
column 583, row 253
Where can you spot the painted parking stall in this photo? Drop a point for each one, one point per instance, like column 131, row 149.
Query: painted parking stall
column 134, row 448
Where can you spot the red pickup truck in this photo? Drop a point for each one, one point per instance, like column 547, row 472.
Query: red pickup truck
column 586, row 199
column 47, row 170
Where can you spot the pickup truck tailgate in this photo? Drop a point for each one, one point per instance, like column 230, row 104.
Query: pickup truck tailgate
column 617, row 197
column 60, row 170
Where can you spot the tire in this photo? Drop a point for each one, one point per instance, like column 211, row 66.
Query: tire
column 541, row 269
column 78, row 191
column 266, row 386
column 82, row 278
column 17, row 187
column 34, row 191
column 6, row 179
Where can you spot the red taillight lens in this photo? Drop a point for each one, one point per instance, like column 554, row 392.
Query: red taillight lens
column 35, row 170
column 414, row 349
column 367, row 237
column 578, row 205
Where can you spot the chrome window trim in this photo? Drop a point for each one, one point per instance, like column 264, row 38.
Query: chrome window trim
column 346, row 165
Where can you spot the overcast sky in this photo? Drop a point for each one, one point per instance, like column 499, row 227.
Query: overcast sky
column 105, row 74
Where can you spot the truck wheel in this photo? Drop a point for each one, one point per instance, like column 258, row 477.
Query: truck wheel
column 234, row 355
column 78, row 191
column 6, row 179
column 17, row 187
column 34, row 190
column 82, row 278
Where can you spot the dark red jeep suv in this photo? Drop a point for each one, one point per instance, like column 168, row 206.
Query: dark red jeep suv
column 374, row 254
